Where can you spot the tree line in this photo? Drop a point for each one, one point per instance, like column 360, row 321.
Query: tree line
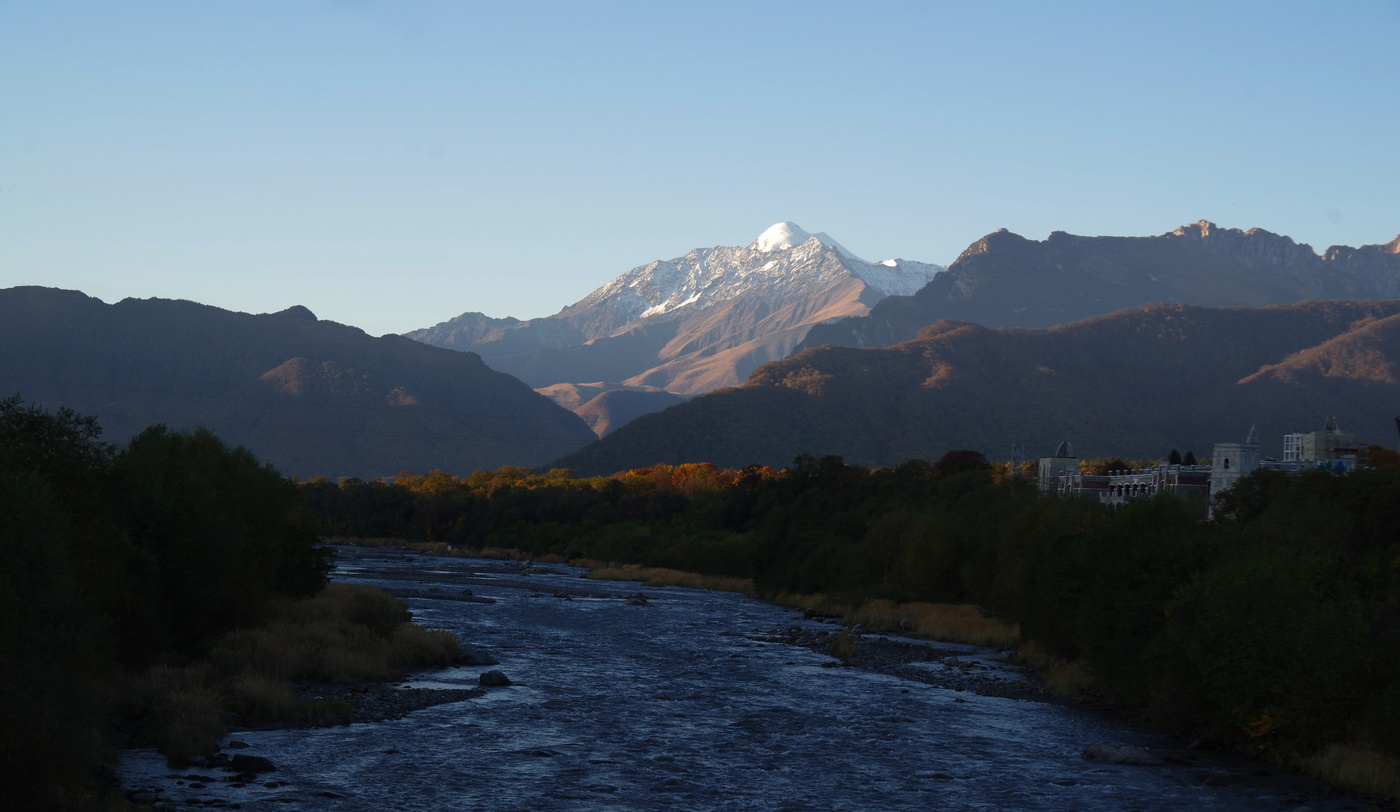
column 117, row 559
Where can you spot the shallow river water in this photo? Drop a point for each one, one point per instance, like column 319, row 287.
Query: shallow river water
column 677, row 706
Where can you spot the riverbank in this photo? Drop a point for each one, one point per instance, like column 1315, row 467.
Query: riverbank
column 996, row 671
column 697, row 699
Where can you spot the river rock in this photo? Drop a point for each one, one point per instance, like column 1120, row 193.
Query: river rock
column 1120, row 754
column 250, row 764
column 493, row 678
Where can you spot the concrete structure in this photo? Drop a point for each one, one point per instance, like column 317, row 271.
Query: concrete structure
column 1190, row 482
column 1321, row 446
column 1330, row 449
column 1230, row 461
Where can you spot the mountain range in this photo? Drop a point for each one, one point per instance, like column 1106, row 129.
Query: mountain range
column 310, row 396
column 942, row 359
column 1134, row 383
column 683, row 326
column 1005, row 280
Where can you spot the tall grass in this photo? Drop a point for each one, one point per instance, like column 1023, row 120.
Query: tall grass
column 1355, row 767
column 843, row 646
column 1064, row 677
column 186, row 712
column 657, row 576
column 945, row 622
column 948, row 622
column 346, row 634
column 510, row 554
column 816, row 603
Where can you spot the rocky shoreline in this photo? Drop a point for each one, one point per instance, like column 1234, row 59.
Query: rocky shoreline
column 983, row 672
column 381, row 702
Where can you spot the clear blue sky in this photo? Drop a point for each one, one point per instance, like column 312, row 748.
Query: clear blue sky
column 393, row 164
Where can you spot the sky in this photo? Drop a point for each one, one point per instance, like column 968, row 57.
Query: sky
column 391, row 165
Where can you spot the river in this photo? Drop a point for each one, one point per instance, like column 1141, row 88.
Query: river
column 688, row 703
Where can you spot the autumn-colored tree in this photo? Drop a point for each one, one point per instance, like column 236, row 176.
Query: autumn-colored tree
column 1382, row 457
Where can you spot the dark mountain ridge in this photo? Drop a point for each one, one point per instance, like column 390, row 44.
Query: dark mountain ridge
column 1134, row 383
column 1005, row 280
column 310, row 396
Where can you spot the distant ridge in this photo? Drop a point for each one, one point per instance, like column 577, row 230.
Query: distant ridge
column 310, row 396
column 1134, row 383
column 1005, row 280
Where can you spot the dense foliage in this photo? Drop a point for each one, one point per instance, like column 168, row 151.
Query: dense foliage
column 122, row 557
column 1275, row 626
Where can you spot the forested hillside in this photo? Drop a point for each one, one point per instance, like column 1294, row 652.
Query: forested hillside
column 1132, row 383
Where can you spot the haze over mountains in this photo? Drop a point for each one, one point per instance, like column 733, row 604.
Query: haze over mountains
column 1134, row 383
column 688, row 325
column 311, row 397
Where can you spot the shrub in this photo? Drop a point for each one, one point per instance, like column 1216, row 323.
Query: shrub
column 843, row 646
column 187, row 717
column 953, row 623
column 416, row 647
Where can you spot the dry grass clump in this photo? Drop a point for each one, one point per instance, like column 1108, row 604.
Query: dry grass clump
column 843, row 646
column 356, row 541
column 509, row 554
column 346, row 634
column 1064, row 677
column 657, row 576
column 1357, row 768
column 947, row 622
column 817, row 603
column 416, row 647
column 186, row 713
column 258, row 699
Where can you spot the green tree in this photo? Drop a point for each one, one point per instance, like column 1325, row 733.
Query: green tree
column 54, row 653
column 218, row 532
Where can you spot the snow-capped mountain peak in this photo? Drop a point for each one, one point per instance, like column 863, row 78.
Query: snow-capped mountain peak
column 785, row 263
column 785, row 235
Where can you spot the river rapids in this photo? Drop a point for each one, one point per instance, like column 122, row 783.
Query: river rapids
column 694, row 701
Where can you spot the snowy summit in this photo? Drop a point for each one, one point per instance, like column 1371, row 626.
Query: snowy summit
column 787, row 235
column 784, row 264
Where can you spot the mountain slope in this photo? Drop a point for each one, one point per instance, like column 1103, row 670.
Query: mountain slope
column 1134, row 383
column 691, row 324
column 312, row 397
column 1005, row 280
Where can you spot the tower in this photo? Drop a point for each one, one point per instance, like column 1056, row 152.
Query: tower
column 1053, row 468
column 1230, row 461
